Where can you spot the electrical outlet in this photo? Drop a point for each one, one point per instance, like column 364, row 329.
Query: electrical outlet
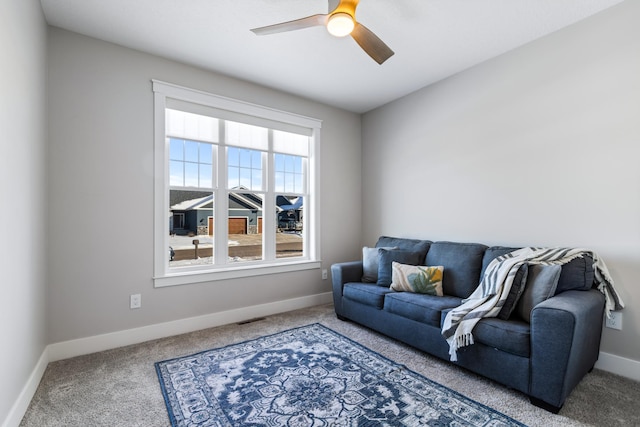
column 325, row 275
column 615, row 321
column 135, row 301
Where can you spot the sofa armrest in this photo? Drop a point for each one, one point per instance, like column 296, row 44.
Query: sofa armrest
column 342, row 273
column 565, row 343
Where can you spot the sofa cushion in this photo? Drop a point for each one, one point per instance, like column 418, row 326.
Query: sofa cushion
column 494, row 252
column 370, row 264
column 512, row 336
column 417, row 279
column 541, row 285
column 576, row 275
column 462, row 263
column 364, row 293
column 517, row 289
column 387, row 256
column 413, row 245
column 419, row 307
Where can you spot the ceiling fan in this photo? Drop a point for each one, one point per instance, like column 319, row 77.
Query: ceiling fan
column 340, row 22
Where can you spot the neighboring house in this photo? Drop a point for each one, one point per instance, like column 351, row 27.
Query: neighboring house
column 195, row 215
column 289, row 214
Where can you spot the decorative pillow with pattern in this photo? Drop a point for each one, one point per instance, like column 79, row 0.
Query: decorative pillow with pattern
column 417, row 278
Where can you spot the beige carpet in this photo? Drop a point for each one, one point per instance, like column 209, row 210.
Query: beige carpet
column 120, row 388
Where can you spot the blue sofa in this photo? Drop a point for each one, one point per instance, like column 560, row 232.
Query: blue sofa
column 544, row 356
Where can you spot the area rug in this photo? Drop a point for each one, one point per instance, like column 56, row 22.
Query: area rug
column 309, row 376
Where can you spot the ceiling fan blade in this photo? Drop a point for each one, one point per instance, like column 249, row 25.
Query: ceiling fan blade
column 298, row 24
column 371, row 44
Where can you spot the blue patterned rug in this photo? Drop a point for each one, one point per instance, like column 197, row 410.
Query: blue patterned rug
column 309, row 377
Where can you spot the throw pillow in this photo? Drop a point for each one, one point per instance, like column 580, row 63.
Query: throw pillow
column 370, row 264
column 517, row 288
column 541, row 285
column 417, row 279
column 387, row 256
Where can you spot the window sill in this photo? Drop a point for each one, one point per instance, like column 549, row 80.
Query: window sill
column 190, row 277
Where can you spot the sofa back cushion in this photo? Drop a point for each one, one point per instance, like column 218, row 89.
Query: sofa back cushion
column 413, row 245
column 386, row 258
column 370, row 263
column 576, row 275
column 494, row 252
column 462, row 264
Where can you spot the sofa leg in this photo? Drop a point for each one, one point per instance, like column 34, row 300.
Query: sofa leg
column 544, row 405
column 344, row 319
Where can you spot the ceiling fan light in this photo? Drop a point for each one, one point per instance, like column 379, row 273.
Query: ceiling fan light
column 340, row 24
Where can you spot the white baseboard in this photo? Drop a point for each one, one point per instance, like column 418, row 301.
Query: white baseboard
column 67, row 349
column 619, row 365
column 21, row 404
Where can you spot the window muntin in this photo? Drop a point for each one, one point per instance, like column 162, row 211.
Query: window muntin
column 242, row 152
column 289, row 173
column 245, row 167
column 190, row 163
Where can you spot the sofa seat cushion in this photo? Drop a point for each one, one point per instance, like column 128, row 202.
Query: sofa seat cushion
column 366, row 293
column 419, row 307
column 512, row 336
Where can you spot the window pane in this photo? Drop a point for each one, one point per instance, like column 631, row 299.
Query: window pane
column 176, row 173
column 234, row 177
column 176, row 149
column 206, row 173
column 233, row 156
column 191, row 151
column 288, row 164
column 256, row 159
column 279, row 181
column 190, row 164
column 245, row 158
column 245, row 169
column 205, row 153
column 299, row 184
column 245, row 178
column 190, row 174
column 256, row 179
column 245, row 227
column 289, row 236
column 288, row 174
column 190, row 219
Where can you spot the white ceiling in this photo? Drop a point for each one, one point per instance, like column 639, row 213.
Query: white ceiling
column 432, row 39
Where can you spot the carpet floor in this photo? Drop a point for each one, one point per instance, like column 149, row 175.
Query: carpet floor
column 120, row 387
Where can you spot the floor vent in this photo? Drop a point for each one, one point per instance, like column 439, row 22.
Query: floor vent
column 244, row 322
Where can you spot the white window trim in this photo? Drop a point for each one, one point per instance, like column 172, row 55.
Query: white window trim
column 163, row 276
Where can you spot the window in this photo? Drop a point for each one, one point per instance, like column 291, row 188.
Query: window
column 236, row 188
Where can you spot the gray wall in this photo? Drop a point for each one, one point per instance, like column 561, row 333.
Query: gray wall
column 100, row 180
column 23, row 126
column 539, row 146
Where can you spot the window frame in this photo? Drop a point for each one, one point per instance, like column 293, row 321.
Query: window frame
column 162, row 274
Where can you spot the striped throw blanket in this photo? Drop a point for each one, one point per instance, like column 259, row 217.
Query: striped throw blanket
column 490, row 295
